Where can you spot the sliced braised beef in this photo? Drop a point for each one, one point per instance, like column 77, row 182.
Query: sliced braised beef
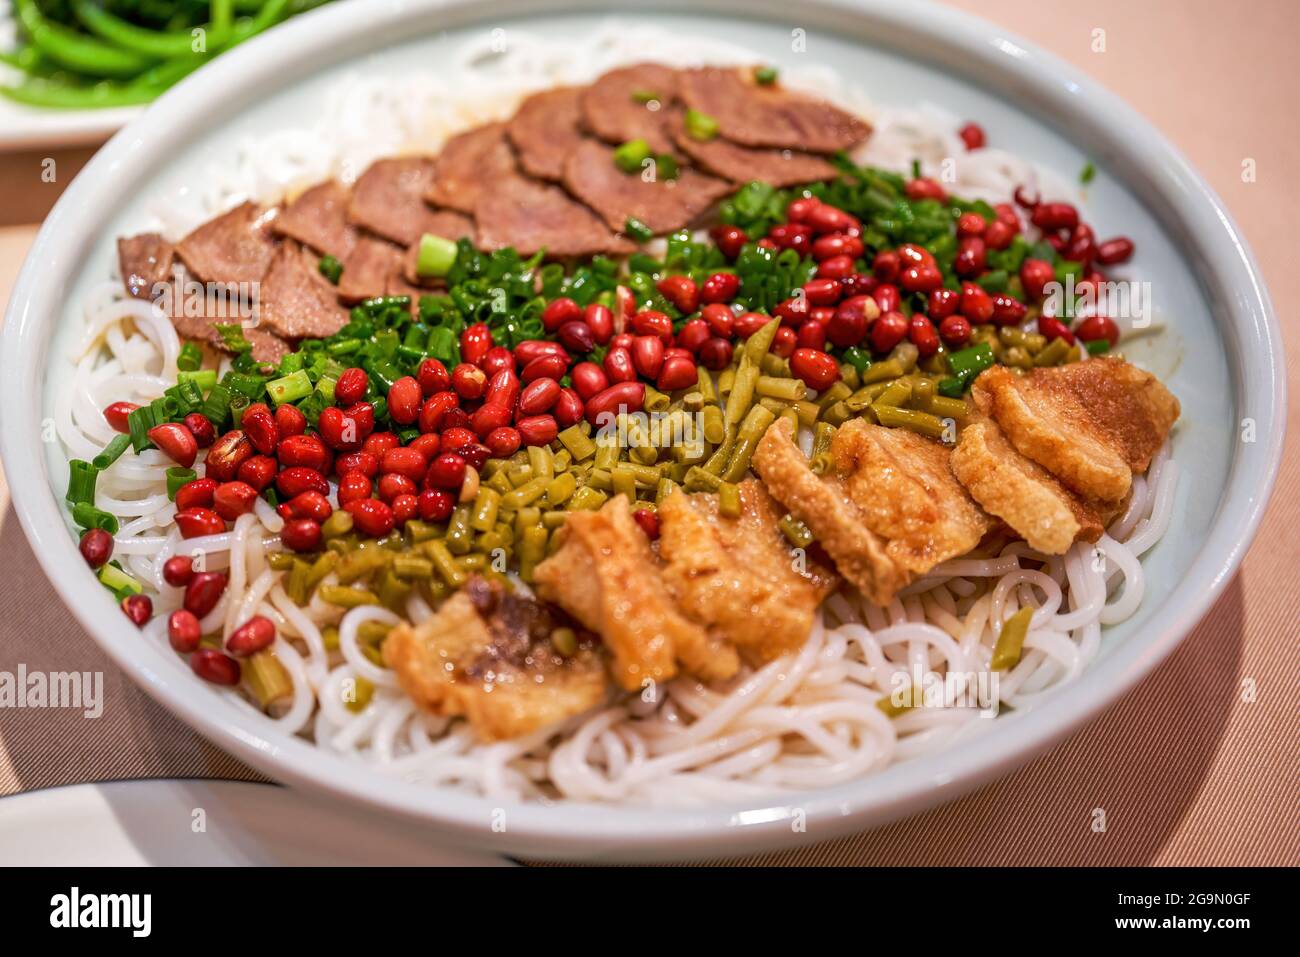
column 196, row 312
column 144, row 261
column 388, row 199
column 470, row 164
column 368, row 269
column 531, row 216
column 545, row 129
column 296, row 300
column 319, row 218
column 631, row 103
column 663, row 205
column 234, row 247
column 769, row 116
column 740, row 164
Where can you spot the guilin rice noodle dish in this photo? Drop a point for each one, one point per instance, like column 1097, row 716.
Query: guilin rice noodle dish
column 661, row 429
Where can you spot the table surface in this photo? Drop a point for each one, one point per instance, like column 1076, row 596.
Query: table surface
column 1190, row 768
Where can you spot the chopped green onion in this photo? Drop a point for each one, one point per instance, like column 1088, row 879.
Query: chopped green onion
column 190, row 358
column 87, row 516
column 666, row 166
column 765, row 75
column 139, row 422
column 330, row 268
column 113, row 451
column 81, row 482
column 860, row 359
column 701, row 126
column 644, row 96
column 204, row 379
column 216, row 407
column 631, row 155
column 638, row 230
column 186, row 394
column 251, row 386
column 1088, row 172
column 176, row 477
column 290, row 388
column 117, row 581
column 232, row 337
column 436, row 256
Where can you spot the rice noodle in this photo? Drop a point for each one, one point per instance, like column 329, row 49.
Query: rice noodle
column 805, row 721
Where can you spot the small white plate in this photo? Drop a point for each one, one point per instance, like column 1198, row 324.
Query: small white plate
column 25, row 127
column 207, row 824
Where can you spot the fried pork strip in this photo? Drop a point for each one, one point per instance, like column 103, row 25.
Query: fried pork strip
column 889, row 510
column 1091, row 424
column 488, row 655
column 738, row 576
column 605, row 575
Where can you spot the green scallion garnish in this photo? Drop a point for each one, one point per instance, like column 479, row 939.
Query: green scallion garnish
column 232, row 337
column 330, row 268
column 644, row 96
column 190, row 358
column 81, row 482
column 139, row 422
column 1088, row 172
column 113, row 451
column 176, row 477
column 436, row 256
column 87, row 516
column 216, row 407
column 701, row 126
column 117, row 581
column 765, row 75
column 631, row 155
column 638, row 230
column 205, row 379
column 289, row 388
column 666, row 166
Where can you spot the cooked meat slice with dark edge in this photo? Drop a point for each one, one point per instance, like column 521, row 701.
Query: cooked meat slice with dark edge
column 739, row 576
column 740, row 164
column 755, row 115
column 144, row 261
column 530, row 215
column 470, row 165
column 319, row 218
column 1128, row 405
column 234, row 247
column 369, row 268
column 1091, row 423
column 663, row 205
column 388, row 199
column 267, row 346
column 487, row 655
column 605, row 575
column 1022, row 493
column 196, row 312
column 296, row 300
column 615, row 106
column 888, row 511
column 545, row 128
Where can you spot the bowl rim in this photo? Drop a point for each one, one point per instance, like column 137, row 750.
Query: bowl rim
column 1040, row 83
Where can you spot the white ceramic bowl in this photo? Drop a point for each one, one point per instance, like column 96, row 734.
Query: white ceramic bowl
column 1222, row 357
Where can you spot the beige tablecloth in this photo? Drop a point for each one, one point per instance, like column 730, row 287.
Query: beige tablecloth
column 1187, row 771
